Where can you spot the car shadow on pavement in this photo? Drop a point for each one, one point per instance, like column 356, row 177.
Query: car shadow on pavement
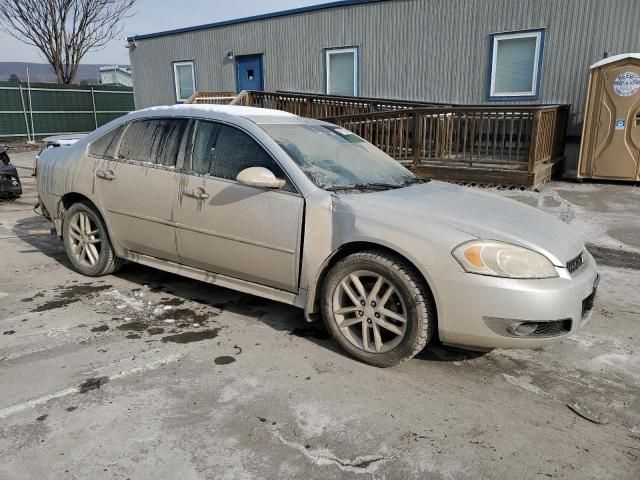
column 278, row 316
column 36, row 231
column 436, row 352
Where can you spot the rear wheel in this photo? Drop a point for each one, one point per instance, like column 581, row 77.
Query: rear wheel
column 87, row 242
column 377, row 308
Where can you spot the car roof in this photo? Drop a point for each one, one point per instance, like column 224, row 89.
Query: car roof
column 256, row 115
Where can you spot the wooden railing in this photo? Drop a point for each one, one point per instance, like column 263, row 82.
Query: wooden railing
column 508, row 138
column 322, row 106
column 550, row 127
column 502, row 144
column 216, row 98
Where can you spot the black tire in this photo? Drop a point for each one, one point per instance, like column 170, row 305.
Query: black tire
column 420, row 313
column 107, row 262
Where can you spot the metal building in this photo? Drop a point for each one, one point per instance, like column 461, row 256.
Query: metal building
column 458, row 51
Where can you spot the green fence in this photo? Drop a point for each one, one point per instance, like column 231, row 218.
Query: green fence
column 49, row 109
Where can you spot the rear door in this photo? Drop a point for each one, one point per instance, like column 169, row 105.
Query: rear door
column 228, row 228
column 138, row 189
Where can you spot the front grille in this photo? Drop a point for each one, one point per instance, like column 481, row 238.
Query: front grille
column 574, row 264
column 552, row 329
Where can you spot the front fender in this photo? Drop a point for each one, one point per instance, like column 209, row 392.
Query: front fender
column 428, row 251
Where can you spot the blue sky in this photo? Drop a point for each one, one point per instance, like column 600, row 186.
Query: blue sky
column 157, row 15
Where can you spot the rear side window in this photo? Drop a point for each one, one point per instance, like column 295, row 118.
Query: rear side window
column 223, row 151
column 154, row 141
column 105, row 146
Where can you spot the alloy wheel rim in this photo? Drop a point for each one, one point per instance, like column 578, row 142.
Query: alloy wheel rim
column 84, row 237
column 370, row 312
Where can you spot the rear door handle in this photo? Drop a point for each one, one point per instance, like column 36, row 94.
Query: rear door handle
column 199, row 194
column 108, row 175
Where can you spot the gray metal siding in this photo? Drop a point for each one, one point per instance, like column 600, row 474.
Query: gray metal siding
column 409, row 49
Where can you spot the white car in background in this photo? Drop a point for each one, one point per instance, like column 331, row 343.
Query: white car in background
column 57, row 141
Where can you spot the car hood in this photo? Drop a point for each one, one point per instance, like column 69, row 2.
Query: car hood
column 480, row 214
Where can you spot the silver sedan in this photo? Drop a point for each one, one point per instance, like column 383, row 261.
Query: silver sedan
column 307, row 213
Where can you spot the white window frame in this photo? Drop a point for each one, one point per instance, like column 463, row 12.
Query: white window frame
column 176, row 82
column 496, row 38
column 327, row 67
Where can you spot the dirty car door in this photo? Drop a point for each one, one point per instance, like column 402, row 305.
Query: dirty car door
column 138, row 189
column 232, row 229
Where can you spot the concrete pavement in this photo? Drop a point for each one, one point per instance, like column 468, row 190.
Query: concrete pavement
column 144, row 374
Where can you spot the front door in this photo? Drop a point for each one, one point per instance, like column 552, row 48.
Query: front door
column 249, row 71
column 224, row 227
column 617, row 151
column 139, row 188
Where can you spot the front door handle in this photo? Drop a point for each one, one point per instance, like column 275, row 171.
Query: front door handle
column 198, row 193
column 108, row 175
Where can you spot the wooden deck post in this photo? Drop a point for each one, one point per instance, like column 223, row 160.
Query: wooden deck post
column 533, row 141
column 416, row 144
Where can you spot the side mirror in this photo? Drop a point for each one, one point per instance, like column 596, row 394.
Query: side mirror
column 259, row 177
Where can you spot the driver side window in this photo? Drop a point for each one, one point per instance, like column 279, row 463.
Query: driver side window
column 222, row 151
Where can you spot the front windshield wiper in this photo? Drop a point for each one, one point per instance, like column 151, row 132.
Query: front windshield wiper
column 377, row 185
column 365, row 186
column 414, row 180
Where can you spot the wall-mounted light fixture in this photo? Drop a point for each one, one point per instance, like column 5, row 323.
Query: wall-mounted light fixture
column 131, row 44
column 229, row 55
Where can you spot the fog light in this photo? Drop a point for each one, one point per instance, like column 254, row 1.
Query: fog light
column 522, row 329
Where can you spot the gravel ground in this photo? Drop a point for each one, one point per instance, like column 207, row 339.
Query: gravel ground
column 144, row 374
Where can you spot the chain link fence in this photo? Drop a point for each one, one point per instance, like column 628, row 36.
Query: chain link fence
column 43, row 109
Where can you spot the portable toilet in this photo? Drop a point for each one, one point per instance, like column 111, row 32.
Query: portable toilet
column 610, row 147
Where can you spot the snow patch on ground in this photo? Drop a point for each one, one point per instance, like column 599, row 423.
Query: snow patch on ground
column 592, row 227
column 365, row 464
column 525, row 383
column 242, row 390
column 623, row 363
column 583, row 340
column 126, row 301
column 313, row 419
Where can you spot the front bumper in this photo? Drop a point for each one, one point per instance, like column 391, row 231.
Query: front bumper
column 10, row 185
column 477, row 311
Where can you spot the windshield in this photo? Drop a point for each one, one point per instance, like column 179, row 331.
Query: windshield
column 336, row 159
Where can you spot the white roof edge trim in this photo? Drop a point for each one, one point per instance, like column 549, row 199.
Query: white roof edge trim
column 236, row 110
column 614, row 58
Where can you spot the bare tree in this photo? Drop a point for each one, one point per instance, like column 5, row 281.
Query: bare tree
column 64, row 30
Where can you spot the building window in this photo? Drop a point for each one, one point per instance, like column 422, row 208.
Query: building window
column 341, row 69
column 184, row 79
column 516, row 61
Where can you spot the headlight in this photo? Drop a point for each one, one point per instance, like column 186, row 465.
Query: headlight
column 499, row 259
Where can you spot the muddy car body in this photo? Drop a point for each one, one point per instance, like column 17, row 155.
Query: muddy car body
column 389, row 265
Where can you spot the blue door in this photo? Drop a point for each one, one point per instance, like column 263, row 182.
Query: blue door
column 249, row 71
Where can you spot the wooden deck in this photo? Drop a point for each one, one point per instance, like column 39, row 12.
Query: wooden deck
column 515, row 144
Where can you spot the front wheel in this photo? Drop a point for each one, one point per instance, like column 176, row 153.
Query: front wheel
column 87, row 242
column 377, row 308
